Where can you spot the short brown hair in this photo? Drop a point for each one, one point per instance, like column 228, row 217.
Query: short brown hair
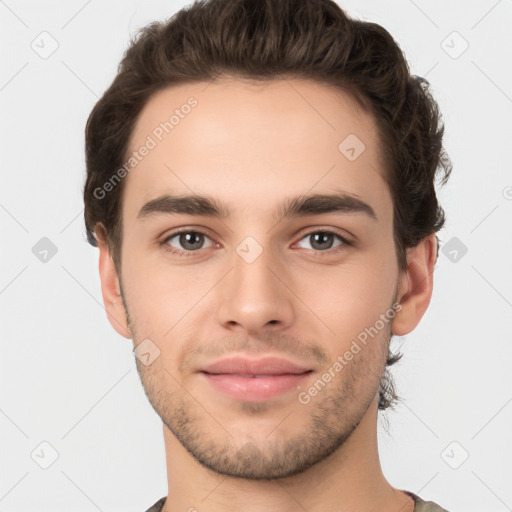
column 268, row 40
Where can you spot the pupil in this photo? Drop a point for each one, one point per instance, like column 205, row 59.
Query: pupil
column 188, row 240
column 320, row 239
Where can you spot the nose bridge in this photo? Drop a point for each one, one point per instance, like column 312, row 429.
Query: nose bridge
column 251, row 263
column 253, row 297
column 251, row 273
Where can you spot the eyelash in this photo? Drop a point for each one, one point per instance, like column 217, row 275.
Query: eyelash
column 177, row 252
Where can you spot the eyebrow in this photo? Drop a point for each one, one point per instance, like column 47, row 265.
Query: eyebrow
column 300, row 206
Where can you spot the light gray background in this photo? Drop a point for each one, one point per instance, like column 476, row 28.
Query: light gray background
column 68, row 379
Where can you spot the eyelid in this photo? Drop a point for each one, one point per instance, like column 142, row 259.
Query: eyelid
column 188, row 229
column 347, row 238
column 185, row 229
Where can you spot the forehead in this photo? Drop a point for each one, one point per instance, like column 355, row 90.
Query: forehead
column 235, row 138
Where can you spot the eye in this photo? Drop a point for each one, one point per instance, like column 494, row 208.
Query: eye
column 188, row 241
column 323, row 240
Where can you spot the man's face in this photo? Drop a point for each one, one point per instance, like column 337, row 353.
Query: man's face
column 254, row 284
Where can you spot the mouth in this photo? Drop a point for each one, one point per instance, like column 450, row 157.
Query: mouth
column 254, row 380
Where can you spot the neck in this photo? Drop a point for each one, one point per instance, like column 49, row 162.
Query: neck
column 349, row 479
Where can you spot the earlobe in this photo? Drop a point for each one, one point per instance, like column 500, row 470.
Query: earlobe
column 110, row 289
column 416, row 285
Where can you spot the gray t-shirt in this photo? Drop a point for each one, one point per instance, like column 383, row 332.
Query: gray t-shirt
column 419, row 504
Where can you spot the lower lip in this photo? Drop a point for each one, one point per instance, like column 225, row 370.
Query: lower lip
column 254, row 389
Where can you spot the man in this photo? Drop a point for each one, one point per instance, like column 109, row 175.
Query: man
column 260, row 184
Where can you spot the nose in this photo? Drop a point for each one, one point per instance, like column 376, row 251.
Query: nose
column 256, row 295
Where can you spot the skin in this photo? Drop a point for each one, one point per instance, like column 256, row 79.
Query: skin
column 252, row 146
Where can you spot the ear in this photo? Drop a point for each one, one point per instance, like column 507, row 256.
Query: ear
column 110, row 288
column 416, row 284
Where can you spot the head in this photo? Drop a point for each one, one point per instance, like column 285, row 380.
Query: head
column 253, row 104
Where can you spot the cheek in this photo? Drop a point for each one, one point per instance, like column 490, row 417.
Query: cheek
column 159, row 296
column 351, row 297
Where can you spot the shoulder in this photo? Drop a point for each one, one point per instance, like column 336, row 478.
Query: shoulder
column 157, row 507
column 424, row 506
column 419, row 504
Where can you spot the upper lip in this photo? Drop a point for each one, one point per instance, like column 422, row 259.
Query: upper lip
column 264, row 366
